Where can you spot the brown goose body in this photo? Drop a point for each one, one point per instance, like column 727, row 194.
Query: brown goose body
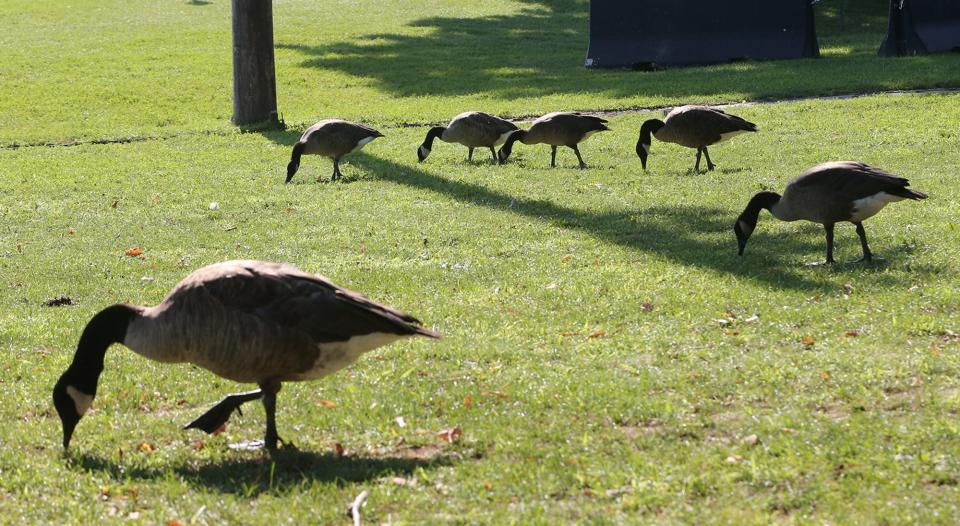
column 247, row 321
column 557, row 129
column 829, row 193
column 473, row 129
column 693, row 127
column 333, row 138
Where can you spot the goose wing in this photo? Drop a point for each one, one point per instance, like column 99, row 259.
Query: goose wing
column 285, row 298
column 848, row 181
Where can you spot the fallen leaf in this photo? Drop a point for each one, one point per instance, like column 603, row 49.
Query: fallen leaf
column 599, row 333
column 826, row 375
column 328, row 404
column 935, row 349
column 175, row 522
column 488, row 486
column 363, row 248
column 338, row 449
column 451, row 435
column 646, row 307
column 221, row 429
column 567, row 334
column 198, row 445
column 116, row 202
column 468, row 401
column 808, row 341
column 566, row 258
column 789, row 430
column 146, row 447
column 133, row 252
column 852, row 333
column 499, row 395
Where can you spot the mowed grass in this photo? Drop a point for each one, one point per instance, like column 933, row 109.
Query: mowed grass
column 118, row 70
column 607, row 356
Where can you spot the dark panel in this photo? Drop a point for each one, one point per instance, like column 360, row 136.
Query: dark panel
column 644, row 33
column 918, row 27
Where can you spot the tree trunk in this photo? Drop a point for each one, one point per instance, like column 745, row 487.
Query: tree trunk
column 254, row 79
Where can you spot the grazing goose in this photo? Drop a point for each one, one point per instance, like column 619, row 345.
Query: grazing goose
column 556, row 129
column 829, row 193
column 472, row 129
column 693, row 127
column 331, row 138
column 247, row 321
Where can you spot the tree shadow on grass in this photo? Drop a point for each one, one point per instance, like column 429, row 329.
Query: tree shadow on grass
column 252, row 476
column 540, row 51
column 686, row 234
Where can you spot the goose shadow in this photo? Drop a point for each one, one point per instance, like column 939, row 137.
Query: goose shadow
column 252, row 476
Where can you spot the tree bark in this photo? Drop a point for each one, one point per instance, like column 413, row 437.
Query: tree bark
column 254, row 78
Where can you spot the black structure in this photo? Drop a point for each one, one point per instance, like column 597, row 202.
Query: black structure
column 918, row 27
column 645, row 34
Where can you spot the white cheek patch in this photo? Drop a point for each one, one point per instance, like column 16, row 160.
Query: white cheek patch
column 646, row 147
column 81, row 400
column 424, row 151
column 363, row 142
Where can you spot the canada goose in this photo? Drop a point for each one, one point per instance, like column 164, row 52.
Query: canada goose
column 556, row 129
column 693, row 127
column 247, row 321
column 473, row 129
column 331, row 138
column 829, row 193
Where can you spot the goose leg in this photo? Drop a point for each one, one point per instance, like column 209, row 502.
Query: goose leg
column 270, row 390
column 469, row 153
column 576, row 150
column 706, row 153
column 218, row 415
column 828, row 227
column 867, row 255
column 696, row 167
column 553, row 157
column 336, row 170
column 494, row 154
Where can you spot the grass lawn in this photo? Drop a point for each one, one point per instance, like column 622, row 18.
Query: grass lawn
column 608, row 356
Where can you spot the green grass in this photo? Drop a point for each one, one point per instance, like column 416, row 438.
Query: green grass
column 617, row 354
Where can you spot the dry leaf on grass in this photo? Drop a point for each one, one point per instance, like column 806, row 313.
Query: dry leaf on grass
column 133, row 252
column 451, row 435
column 599, row 333
column 146, row 447
column 468, row 401
column 175, row 522
column 826, row 375
column 221, row 429
column 852, row 333
column 329, row 404
column 808, row 341
column 338, row 449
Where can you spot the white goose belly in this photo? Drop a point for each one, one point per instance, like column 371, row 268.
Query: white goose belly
column 334, row 356
column 868, row 206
